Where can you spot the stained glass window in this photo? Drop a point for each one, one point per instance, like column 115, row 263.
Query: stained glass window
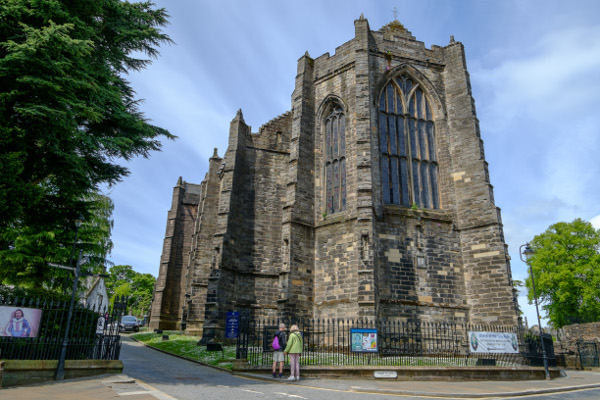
column 335, row 161
column 409, row 169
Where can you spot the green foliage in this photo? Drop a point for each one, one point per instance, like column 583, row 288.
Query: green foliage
column 566, row 269
column 138, row 288
column 31, row 293
column 25, row 261
column 68, row 117
column 66, row 111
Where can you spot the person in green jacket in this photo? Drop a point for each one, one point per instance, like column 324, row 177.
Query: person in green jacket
column 294, row 348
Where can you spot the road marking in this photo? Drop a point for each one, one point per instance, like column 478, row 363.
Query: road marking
column 291, row 395
column 151, row 392
column 252, row 391
column 155, row 392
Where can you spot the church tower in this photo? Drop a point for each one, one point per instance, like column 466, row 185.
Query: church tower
column 370, row 198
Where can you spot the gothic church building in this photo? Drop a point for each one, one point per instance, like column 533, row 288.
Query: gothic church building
column 371, row 198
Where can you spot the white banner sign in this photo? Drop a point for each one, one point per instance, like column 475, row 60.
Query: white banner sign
column 493, row 342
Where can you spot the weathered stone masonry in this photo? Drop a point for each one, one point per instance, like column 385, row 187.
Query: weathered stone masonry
column 256, row 235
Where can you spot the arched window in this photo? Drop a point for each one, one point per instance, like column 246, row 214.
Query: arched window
column 409, row 167
column 335, row 161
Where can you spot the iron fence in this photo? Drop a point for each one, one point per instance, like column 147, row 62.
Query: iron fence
column 84, row 341
column 328, row 342
column 588, row 354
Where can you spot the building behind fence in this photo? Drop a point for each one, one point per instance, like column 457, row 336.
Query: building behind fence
column 85, row 339
column 327, row 342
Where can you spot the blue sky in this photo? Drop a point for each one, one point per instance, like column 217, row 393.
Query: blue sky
column 535, row 74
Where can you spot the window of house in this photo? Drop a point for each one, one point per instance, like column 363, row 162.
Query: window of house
column 335, row 161
column 409, row 167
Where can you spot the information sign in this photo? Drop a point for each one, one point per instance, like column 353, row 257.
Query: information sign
column 232, row 324
column 364, row 340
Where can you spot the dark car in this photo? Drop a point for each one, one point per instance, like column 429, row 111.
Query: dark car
column 129, row 323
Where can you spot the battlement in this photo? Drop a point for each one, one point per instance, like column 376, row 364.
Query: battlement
column 275, row 122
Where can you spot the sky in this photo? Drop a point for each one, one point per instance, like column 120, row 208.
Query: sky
column 535, row 75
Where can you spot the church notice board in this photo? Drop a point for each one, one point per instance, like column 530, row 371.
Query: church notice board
column 364, row 340
column 493, row 342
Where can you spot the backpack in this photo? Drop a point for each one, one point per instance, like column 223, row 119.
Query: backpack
column 275, row 343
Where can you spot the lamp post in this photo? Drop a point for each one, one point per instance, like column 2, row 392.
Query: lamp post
column 528, row 252
column 60, row 369
column 78, row 223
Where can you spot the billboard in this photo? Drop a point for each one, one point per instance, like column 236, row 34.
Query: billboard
column 19, row 321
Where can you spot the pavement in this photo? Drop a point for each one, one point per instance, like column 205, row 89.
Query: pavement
column 121, row 386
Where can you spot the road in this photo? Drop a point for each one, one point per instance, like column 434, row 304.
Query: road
column 184, row 380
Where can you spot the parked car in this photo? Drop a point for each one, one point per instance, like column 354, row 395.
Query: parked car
column 129, row 323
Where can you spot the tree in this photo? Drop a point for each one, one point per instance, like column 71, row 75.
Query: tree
column 137, row 287
column 566, row 269
column 117, row 276
column 67, row 114
column 142, row 291
column 25, row 262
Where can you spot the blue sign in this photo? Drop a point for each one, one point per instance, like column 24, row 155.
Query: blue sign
column 232, row 324
column 364, row 340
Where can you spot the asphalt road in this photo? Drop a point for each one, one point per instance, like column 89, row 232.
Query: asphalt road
column 184, row 380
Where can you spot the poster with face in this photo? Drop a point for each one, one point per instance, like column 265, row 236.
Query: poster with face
column 19, row 321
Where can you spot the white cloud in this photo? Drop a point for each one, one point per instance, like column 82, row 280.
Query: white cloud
column 556, row 81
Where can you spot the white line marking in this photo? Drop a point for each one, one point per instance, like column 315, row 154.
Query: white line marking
column 291, row 395
column 151, row 392
column 252, row 391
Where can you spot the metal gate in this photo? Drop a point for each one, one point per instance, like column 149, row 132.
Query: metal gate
column 588, row 354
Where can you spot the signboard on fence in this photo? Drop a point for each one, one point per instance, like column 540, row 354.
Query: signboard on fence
column 19, row 321
column 232, row 324
column 493, row 342
column 364, row 340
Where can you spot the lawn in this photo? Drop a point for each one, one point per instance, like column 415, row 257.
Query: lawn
column 186, row 346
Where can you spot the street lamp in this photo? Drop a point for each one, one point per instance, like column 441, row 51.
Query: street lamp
column 78, row 223
column 60, row 369
column 528, row 252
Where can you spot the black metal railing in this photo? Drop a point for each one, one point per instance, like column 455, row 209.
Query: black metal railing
column 328, row 342
column 94, row 333
column 588, row 354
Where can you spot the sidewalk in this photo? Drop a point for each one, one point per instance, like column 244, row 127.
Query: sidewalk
column 116, row 386
column 97, row 388
column 575, row 380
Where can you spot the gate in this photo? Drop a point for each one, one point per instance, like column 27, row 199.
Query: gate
column 588, row 354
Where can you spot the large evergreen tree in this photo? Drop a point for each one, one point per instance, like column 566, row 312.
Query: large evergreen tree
column 566, row 268
column 68, row 116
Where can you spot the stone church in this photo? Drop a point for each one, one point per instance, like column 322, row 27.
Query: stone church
column 370, row 198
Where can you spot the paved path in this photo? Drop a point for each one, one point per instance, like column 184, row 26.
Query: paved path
column 151, row 375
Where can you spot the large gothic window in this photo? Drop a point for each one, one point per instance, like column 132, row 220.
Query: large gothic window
column 335, row 161
column 409, row 167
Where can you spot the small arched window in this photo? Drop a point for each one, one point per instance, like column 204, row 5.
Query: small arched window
column 409, row 167
column 335, row 161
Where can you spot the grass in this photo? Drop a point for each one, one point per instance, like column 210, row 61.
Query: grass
column 186, row 346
